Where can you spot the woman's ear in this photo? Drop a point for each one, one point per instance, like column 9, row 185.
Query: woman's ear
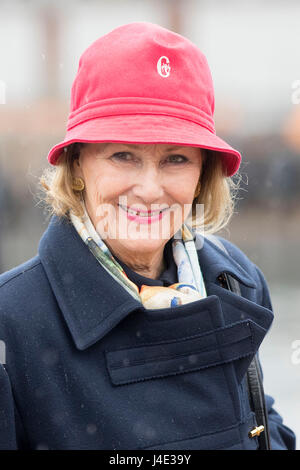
column 203, row 158
column 76, row 160
column 76, row 167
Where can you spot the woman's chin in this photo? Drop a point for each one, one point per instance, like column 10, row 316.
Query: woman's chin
column 142, row 237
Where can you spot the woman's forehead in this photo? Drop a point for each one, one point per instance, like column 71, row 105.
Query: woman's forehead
column 105, row 146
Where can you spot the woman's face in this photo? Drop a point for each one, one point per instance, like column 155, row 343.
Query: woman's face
column 155, row 177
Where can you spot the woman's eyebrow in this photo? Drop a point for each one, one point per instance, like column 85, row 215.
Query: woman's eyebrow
column 166, row 150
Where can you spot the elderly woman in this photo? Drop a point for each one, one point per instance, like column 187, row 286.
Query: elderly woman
column 132, row 328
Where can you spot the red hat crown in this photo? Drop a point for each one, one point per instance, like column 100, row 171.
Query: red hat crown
column 142, row 83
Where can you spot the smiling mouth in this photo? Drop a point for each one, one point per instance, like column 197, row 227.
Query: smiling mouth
column 141, row 213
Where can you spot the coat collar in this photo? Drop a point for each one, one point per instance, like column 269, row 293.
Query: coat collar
column 214, row 261
column 85, row 291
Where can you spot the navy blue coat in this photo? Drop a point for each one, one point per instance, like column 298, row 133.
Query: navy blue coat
column 88, row 367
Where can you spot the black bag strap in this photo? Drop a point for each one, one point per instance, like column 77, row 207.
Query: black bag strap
column 254, row 373
column 256, row 391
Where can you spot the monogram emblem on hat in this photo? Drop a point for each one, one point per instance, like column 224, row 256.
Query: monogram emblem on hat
column 163, row 66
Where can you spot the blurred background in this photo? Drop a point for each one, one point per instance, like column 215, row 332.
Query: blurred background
column 253, row 52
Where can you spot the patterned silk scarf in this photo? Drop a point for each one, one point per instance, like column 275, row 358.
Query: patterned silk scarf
column 190, row 286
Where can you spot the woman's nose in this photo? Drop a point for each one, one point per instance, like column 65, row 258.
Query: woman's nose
column 149, row 185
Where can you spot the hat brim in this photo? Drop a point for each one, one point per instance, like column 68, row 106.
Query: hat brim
column 148, row 129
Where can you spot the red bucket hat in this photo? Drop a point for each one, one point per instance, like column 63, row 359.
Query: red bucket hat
column 144, row 84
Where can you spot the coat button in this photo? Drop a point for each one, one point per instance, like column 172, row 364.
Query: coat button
column 256, row 431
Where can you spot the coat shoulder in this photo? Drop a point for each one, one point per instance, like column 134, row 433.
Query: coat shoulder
column 256, row 273
column 236, row 253
column 20, row 285
column 17, row 275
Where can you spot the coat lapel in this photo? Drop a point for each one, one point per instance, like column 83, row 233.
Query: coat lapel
column 84, row 290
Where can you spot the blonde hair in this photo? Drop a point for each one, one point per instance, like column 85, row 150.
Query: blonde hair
column 217, row 192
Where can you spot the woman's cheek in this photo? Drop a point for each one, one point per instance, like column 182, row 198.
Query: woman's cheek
column 185, row 193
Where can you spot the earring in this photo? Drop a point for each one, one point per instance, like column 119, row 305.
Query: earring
column 78, row 184
column 198, row 189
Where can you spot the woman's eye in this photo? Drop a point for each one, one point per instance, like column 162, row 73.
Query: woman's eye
column 178, row 158
column 127, row 156
column 122, row 156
